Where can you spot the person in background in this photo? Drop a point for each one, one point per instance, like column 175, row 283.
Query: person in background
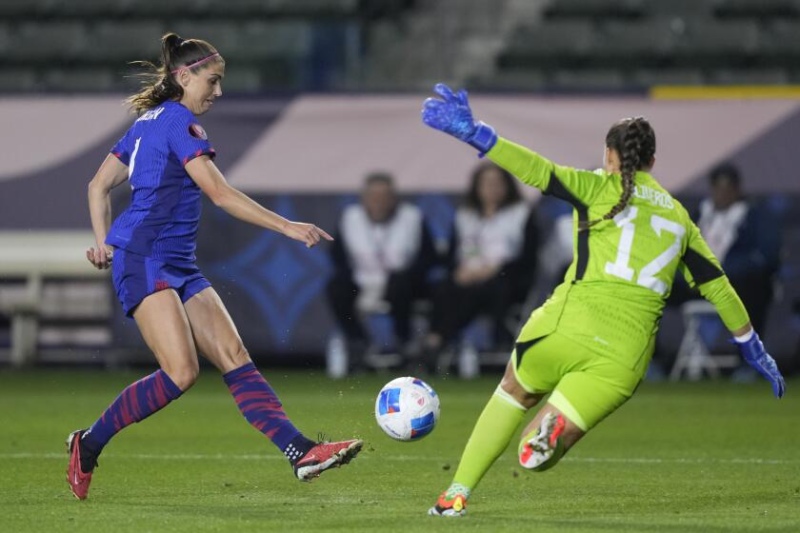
column 382, row 254
column 491, row 260
column 745, row 238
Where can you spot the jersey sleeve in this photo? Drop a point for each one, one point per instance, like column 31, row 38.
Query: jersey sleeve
column 702, row 270
column 578, row 187
column 187, row 139
column 122, row 150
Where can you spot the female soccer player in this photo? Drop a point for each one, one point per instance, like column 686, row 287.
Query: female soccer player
column 589, row 345
column 167, row 158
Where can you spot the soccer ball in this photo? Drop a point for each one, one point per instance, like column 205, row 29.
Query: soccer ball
column 407, row 409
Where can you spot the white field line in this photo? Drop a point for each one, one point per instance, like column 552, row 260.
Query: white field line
column 399, row 458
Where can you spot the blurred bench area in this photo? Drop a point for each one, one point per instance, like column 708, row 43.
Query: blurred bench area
column 53, row 307
column 291, row 45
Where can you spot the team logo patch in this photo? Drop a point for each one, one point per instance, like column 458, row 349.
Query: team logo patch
column 197, row 131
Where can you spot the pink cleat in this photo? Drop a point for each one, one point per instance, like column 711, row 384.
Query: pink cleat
column 78, row 479
column 326, row 455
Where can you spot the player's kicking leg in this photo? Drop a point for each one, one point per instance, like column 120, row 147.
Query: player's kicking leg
column 217, row 338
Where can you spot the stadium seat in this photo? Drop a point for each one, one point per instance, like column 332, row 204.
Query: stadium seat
column 283, row 39
column 715, row 45
column 780, row 44
column 112, row 41
column 664, row 76
column 92, row 9
column 27, row 8
column 22, row 79
column 512, row 79
column 5, row 38
column 773, row 76
column 594, row 9
column 583, row 80
column 313, row 8
column 634, row 44
column 166, row 10
column 80, row 79
column 310, row 9
column 241, row 80
column 757, row 9
column 48, row 42
column 558, row 43
column 694, row 355
column 686, row 9
column 241, row 8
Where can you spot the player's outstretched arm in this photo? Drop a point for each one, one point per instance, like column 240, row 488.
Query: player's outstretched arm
column 451, row 113
column 211, row 181
column 111, row 173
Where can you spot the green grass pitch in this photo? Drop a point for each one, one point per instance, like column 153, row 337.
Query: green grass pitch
column 706, row 457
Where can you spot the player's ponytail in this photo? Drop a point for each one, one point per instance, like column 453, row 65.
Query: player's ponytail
column 635, row 142
column 159, row 82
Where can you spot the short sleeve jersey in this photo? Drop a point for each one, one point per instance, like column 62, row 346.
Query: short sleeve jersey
column 622, row 271
column 162, row 218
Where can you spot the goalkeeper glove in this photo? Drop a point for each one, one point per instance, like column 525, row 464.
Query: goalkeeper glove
column 451, row 114
column 753, row 352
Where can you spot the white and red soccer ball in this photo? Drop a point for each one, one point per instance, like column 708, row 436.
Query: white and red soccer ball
column 407, row 409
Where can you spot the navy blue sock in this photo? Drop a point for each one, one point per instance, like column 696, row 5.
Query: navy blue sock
column 261, row 407
column 138, row 401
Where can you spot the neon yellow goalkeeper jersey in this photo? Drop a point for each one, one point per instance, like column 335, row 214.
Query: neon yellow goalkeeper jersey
column 622, row 271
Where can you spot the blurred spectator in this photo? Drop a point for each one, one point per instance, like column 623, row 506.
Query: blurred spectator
column 745, row 238
column 491, row 260
column 555, row 224
column 381, row 256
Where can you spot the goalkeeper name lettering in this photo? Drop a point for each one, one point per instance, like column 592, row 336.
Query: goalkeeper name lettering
column 657, row 198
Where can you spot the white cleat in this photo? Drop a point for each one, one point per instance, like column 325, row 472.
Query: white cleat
column 540, row 445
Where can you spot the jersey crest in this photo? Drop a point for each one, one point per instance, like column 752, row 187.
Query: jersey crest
column 197, row 131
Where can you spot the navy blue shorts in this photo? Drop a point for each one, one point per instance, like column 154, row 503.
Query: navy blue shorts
column 135, row 277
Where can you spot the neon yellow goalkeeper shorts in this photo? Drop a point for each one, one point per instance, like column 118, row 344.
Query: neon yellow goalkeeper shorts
column 586, row 387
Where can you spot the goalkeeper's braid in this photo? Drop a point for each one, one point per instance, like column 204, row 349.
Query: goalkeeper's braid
column 635, row 142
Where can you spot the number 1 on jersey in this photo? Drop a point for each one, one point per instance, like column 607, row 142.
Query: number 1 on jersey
column 133, row 157
column 647, row 275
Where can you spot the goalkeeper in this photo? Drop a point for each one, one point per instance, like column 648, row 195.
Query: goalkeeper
column 589, row 345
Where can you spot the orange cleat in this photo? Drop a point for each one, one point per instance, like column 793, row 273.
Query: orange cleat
column 447, row 506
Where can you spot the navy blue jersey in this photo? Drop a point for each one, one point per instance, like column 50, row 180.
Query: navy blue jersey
column 161, row 221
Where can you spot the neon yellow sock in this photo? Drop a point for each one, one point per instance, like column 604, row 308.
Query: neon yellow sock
column 490, row 437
